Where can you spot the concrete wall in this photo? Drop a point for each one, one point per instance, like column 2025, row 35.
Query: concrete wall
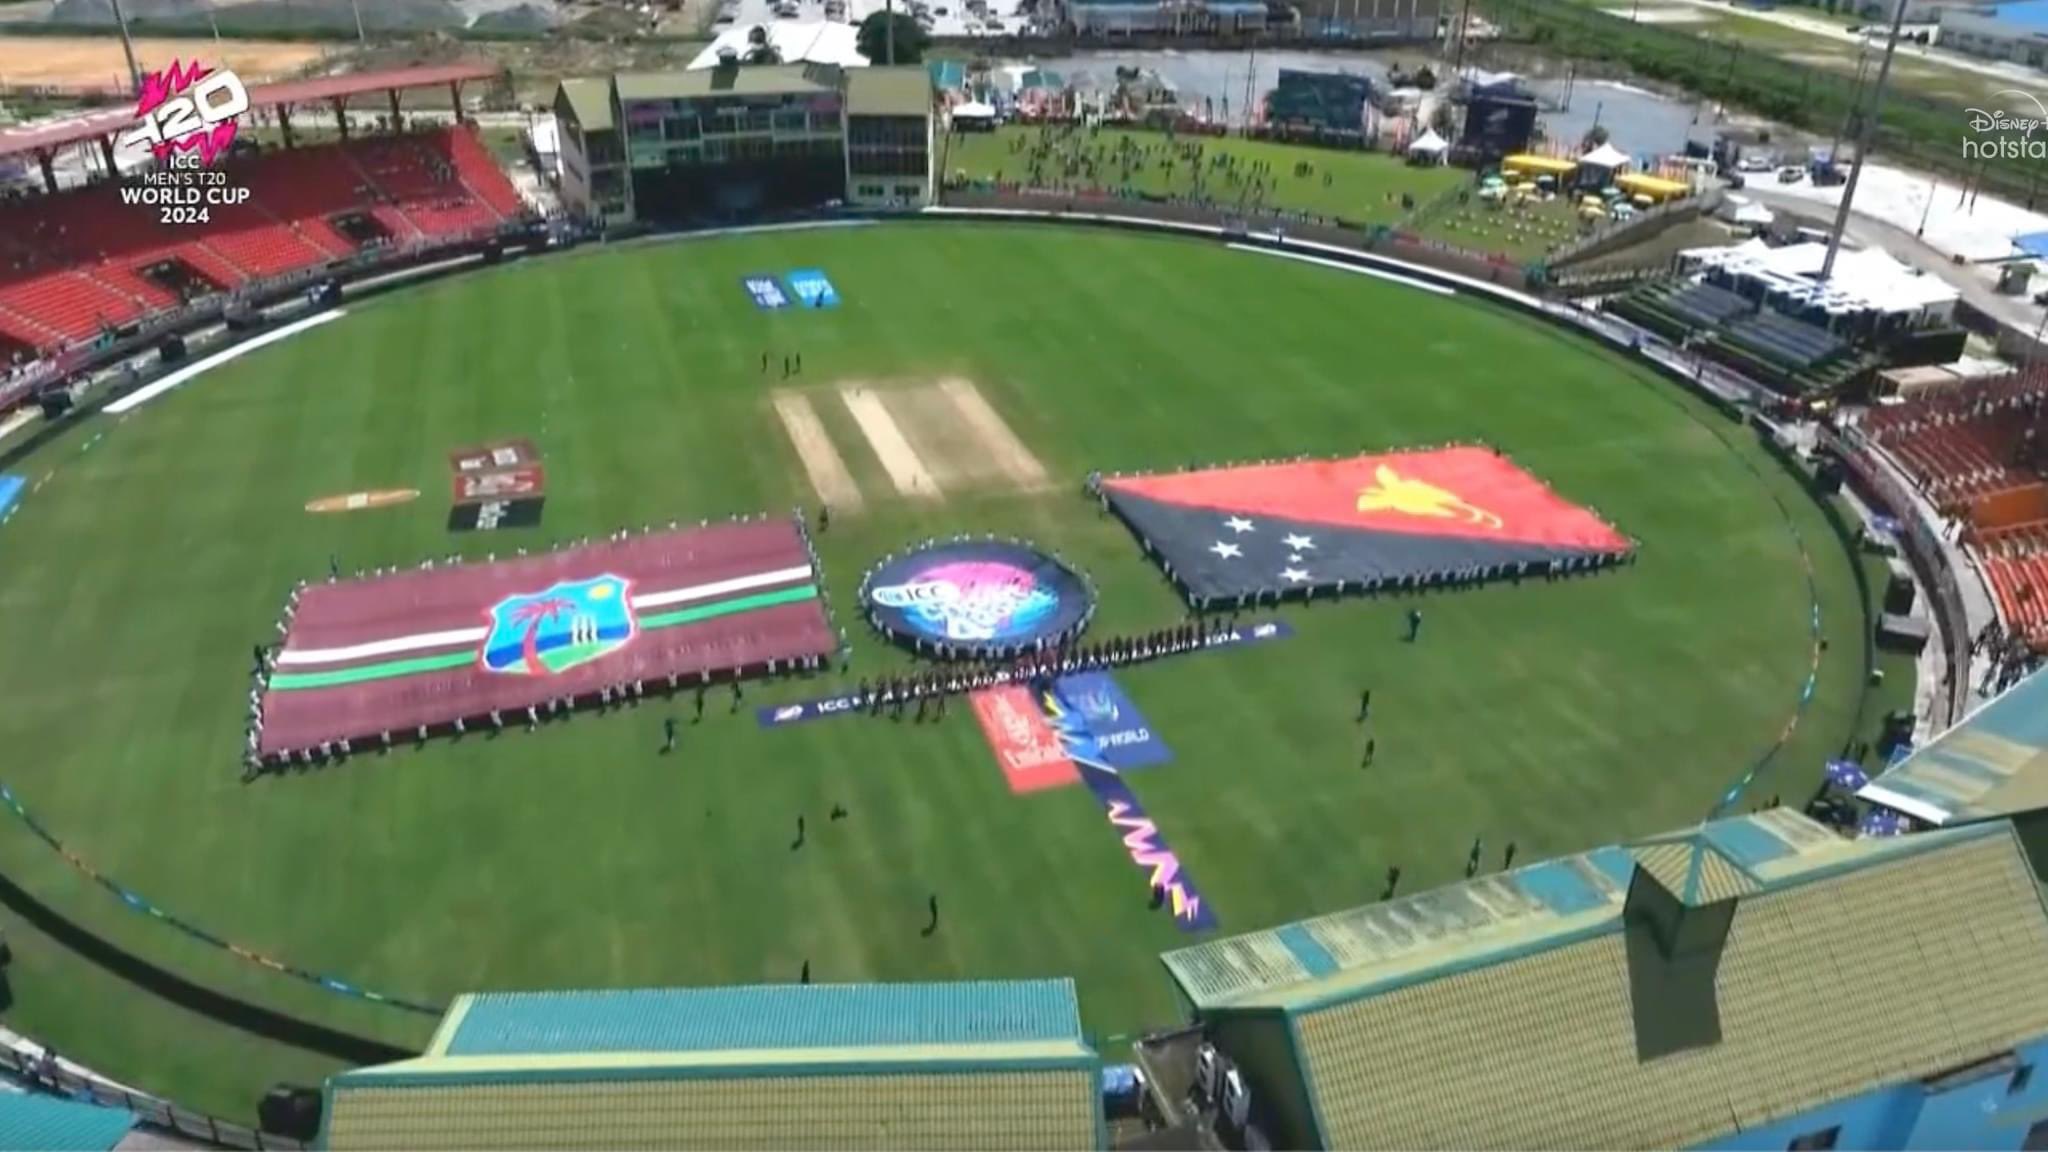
column 1992, row 38
column 1257, row 1042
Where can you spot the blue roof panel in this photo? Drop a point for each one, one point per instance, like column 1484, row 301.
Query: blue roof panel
column 57, row 1125
column 1745, row 843
column 767, row 1016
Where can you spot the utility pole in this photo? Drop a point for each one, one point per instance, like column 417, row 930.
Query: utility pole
column 1464, row 26
column 889, row 31
column 128, row 50
column 1251, row 72
column 355, row 7
column 1865, row 132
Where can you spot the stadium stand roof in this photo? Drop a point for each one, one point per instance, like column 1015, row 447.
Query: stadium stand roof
column 1838, row 966
column 905, row 90
column 992, row 1064
column 27, row 138
column 1994, row 763
column 755, row 80
column 590, row 100
column 30, row 1120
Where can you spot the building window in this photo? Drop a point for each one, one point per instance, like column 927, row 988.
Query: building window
column 1819, row 1141
column 2037, row 1138
column 2021, row 1077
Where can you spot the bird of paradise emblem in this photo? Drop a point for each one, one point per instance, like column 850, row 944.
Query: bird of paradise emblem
column 1407, row 496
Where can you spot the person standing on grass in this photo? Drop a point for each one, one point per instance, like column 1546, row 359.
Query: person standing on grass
column 1372, row 747
column 1472, row 861
column 1414, row 624
column 735, row 695
column 668, row 735
column 1365, row 706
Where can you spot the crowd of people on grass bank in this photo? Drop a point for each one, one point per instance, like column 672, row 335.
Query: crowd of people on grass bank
column 1070, row 158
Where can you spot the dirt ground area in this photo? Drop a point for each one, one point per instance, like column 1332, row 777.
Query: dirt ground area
column 822, row 463
column 931, row 438
column 907, row 469
column 92, row 63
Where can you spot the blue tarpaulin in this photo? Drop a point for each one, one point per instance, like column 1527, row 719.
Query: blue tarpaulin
column 2033, row 244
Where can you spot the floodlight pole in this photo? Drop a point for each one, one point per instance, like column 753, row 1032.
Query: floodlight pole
column 889, row 32
column 1864, row 134
column 356, row 9
column 127, row 49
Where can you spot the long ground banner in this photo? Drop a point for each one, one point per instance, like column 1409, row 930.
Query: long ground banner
column 851, row 703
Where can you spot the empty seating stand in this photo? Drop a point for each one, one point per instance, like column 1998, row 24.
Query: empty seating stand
column 74, row 264
column 1968, row 448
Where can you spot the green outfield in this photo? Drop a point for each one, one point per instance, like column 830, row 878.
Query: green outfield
column 1558, row 716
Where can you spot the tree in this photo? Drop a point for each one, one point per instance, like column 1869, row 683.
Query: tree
column 535, row 613
column 1594, row 137
column 759, row 50
column 873, row 39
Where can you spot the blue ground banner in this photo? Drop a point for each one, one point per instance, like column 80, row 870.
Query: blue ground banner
column 766, row 294
column 851, row 703
column 11, row 488
column 1119, row 736
column 811, row 288
column 1169, row 881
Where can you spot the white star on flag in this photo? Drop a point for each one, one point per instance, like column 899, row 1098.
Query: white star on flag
column 1294, row 575
column 1238, row 524
column 1300, row 543
column 1226, row 550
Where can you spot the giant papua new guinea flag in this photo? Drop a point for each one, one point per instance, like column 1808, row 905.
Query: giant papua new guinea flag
column 429, row 646
column 1293, row 526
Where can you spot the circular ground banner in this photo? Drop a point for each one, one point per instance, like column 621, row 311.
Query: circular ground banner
column 976, row 598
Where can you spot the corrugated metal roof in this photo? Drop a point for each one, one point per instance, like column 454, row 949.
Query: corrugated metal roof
column 774, row 1016
column 84, row 126
column 57, row 1125
column 1874, row 966
column 1414, row 934
column 1994, row 763
column 1052, row 1109
column 905, row 90
column 1690, row 869
column 591, row 102
column 1532, row 907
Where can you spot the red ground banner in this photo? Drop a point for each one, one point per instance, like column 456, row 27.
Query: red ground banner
column 1302, row 526
column 1469, row 492
column 427, row 647
column 1026, row 747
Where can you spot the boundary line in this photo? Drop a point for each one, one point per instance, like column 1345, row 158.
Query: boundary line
column 141, row 396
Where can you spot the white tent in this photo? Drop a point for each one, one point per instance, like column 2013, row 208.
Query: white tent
column 808, row 42
column 1428, row 147
column 1754, row 216
column 1606, row 156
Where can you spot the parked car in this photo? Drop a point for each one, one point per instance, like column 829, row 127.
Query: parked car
column 1791, row 174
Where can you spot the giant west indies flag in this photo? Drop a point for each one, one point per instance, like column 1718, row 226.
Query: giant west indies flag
column 428, row 646
column 1313, row 524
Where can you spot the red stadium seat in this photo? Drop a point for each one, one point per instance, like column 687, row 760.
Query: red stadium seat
column 77, row 262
